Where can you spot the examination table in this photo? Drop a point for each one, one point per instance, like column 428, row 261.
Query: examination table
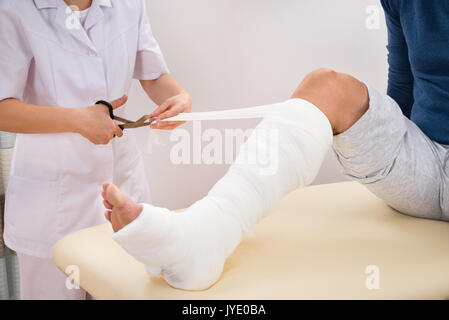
column 335, row 241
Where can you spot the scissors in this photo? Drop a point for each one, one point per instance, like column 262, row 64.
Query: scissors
column 127, row 124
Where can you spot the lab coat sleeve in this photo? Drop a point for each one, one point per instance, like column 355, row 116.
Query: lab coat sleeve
column 150, row 63
column 15, row 54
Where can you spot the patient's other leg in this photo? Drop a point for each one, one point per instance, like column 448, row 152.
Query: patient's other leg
column 190, row 248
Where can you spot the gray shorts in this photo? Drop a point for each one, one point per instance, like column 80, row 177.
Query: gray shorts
column 395, row 160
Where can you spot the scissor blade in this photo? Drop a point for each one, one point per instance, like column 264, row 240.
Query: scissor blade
column 127, row 124
column 133, row 125
column 123, row 120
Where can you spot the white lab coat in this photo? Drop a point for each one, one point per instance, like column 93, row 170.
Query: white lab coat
column 56, row 179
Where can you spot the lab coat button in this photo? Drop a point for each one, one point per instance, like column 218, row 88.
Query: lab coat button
column 129, row 173
column 92, row 53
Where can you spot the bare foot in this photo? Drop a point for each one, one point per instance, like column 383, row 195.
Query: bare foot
column 121, row 210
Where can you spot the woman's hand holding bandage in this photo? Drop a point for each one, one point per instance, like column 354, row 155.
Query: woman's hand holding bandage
column 173, row 106
column 95, row 123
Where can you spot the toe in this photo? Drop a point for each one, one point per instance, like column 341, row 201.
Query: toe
column 107, row 205
column 107, row 215
column 114, row 196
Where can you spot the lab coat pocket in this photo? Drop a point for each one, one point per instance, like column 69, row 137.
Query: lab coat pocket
column 32, row 209
column 85, row 162
column 38, row 157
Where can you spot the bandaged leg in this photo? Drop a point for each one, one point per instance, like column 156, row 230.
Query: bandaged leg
column 189, row 249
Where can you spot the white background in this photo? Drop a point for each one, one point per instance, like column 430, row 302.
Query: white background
column 240, row 53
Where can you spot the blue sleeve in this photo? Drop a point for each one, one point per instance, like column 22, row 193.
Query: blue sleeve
column 400, row 77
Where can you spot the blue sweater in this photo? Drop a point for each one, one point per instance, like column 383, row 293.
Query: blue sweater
column 418, row 58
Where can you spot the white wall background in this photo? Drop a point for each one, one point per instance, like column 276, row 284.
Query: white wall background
column 240, row 53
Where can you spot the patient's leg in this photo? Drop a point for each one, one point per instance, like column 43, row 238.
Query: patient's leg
column 189, row 249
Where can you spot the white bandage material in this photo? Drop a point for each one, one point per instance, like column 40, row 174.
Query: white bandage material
column 242, row 113
column 189, row 248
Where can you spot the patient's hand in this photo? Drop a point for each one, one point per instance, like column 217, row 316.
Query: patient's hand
column 121, row 210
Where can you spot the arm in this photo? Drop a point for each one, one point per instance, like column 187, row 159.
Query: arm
column 159, row 90
column 92, row 122
column 151, row 69
column 20, row 117
column 171, row 98
column 400, row 77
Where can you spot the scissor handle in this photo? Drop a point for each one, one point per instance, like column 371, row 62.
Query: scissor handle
column 110, row 108
column 142, row 122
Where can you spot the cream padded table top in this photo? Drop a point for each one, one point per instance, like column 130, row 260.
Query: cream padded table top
column 316, row 246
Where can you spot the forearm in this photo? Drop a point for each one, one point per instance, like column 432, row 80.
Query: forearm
column 162, row 88
column 402, row 93
column 20, row 117
column 400, row 75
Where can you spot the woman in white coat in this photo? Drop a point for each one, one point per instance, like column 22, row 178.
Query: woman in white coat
column 56, row 63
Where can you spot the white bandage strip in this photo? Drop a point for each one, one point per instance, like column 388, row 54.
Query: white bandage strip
column 242, row 113
column 154, row 137
column 189, row 249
